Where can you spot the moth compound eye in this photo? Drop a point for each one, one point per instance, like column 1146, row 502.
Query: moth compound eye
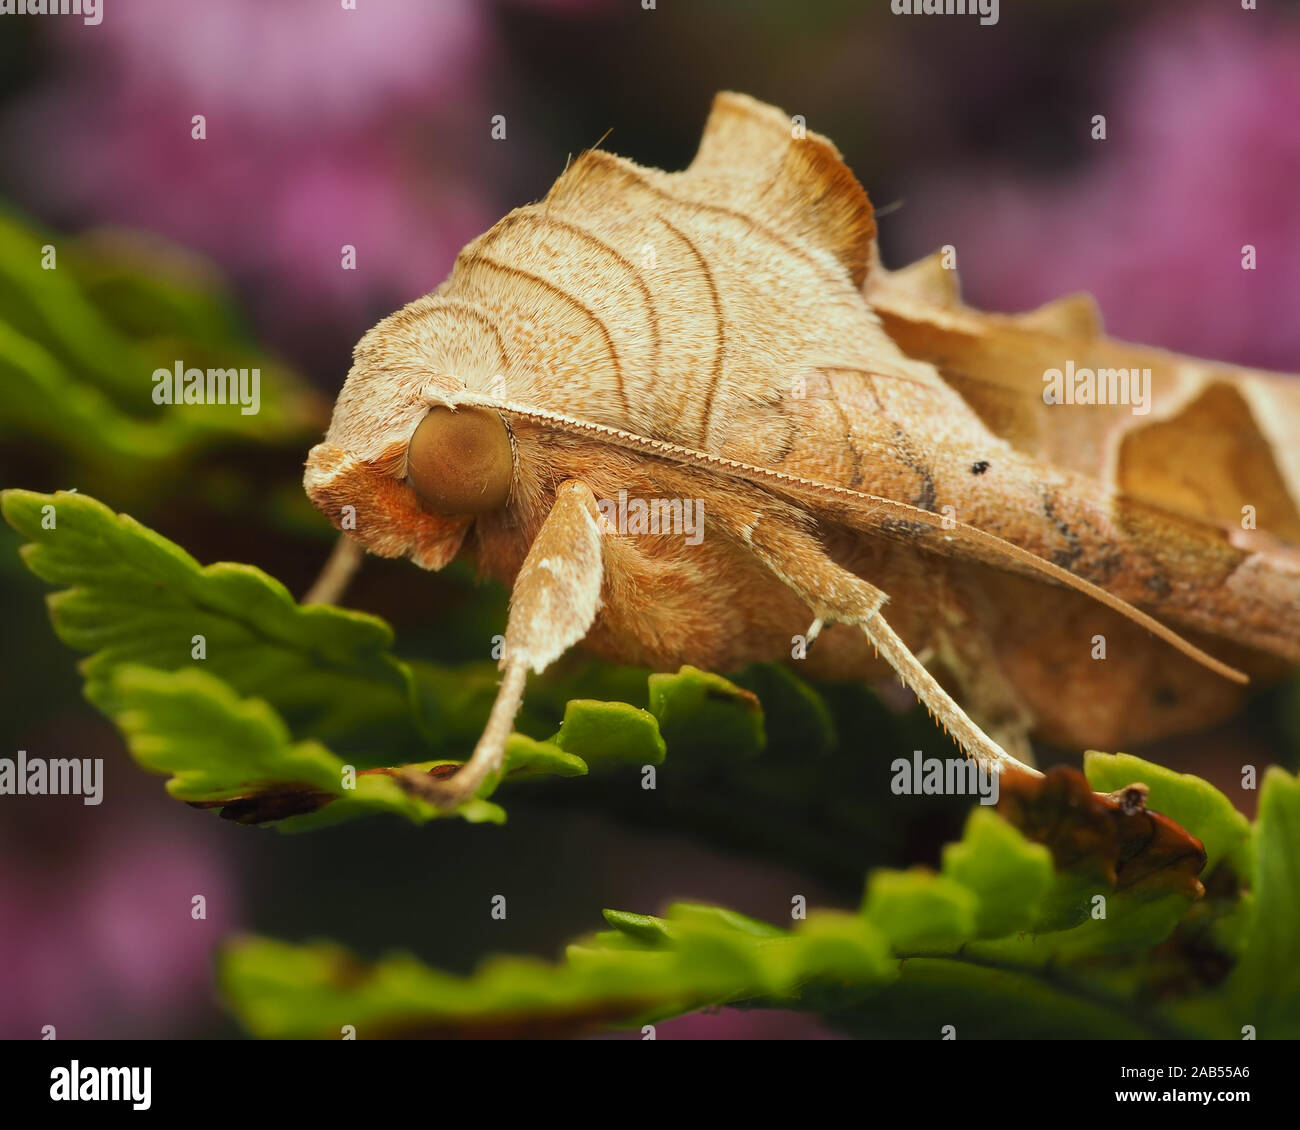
column 460, row 462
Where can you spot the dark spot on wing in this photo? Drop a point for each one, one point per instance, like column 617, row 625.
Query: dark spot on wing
column 925, row 497
column 1067, row 556
column 855, row 475
column 1106, row 563
column 979, row 467
column 782, row 453
column 1159, row 584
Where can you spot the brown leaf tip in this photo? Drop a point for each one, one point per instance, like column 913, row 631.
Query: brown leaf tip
column 1131, row 799
column 1115, row 837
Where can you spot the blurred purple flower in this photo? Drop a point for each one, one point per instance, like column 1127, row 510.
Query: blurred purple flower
column 292, row 64
column 325, row 127
column 102, row 944
column 1203, row 157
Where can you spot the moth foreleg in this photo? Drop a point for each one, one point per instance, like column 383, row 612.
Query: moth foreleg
column 552, row 606
column 835, row 594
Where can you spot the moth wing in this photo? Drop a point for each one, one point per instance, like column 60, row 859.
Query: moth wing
column 743, row 139
column 1215, row 438
column 760, row 161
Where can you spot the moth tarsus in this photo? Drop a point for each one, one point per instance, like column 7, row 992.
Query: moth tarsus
column 815, row 629
column 488, row 756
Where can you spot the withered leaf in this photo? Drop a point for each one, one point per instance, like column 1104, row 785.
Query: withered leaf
column 1116, row 837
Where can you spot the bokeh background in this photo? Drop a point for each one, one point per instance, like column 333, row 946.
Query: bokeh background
column 372, row 127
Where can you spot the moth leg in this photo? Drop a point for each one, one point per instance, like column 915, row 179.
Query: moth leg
column 552, row 606
column 834, row 593
column 814, row 630
column 337, row 573
column 964, row 649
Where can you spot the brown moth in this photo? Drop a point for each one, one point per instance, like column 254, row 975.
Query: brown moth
column 864, row 450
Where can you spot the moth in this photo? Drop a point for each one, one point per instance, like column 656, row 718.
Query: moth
column 864, row 450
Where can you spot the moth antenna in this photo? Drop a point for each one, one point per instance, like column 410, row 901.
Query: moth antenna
column 796, row 486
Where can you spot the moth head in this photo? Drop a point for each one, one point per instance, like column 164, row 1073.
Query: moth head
column 460, row 461
column 404, row 467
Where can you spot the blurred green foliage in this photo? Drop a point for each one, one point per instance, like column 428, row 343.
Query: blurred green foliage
column 967, row 947
column 244, row 727
column 84, row 323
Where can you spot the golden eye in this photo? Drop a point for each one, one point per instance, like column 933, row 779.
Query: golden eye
column 460, row 462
